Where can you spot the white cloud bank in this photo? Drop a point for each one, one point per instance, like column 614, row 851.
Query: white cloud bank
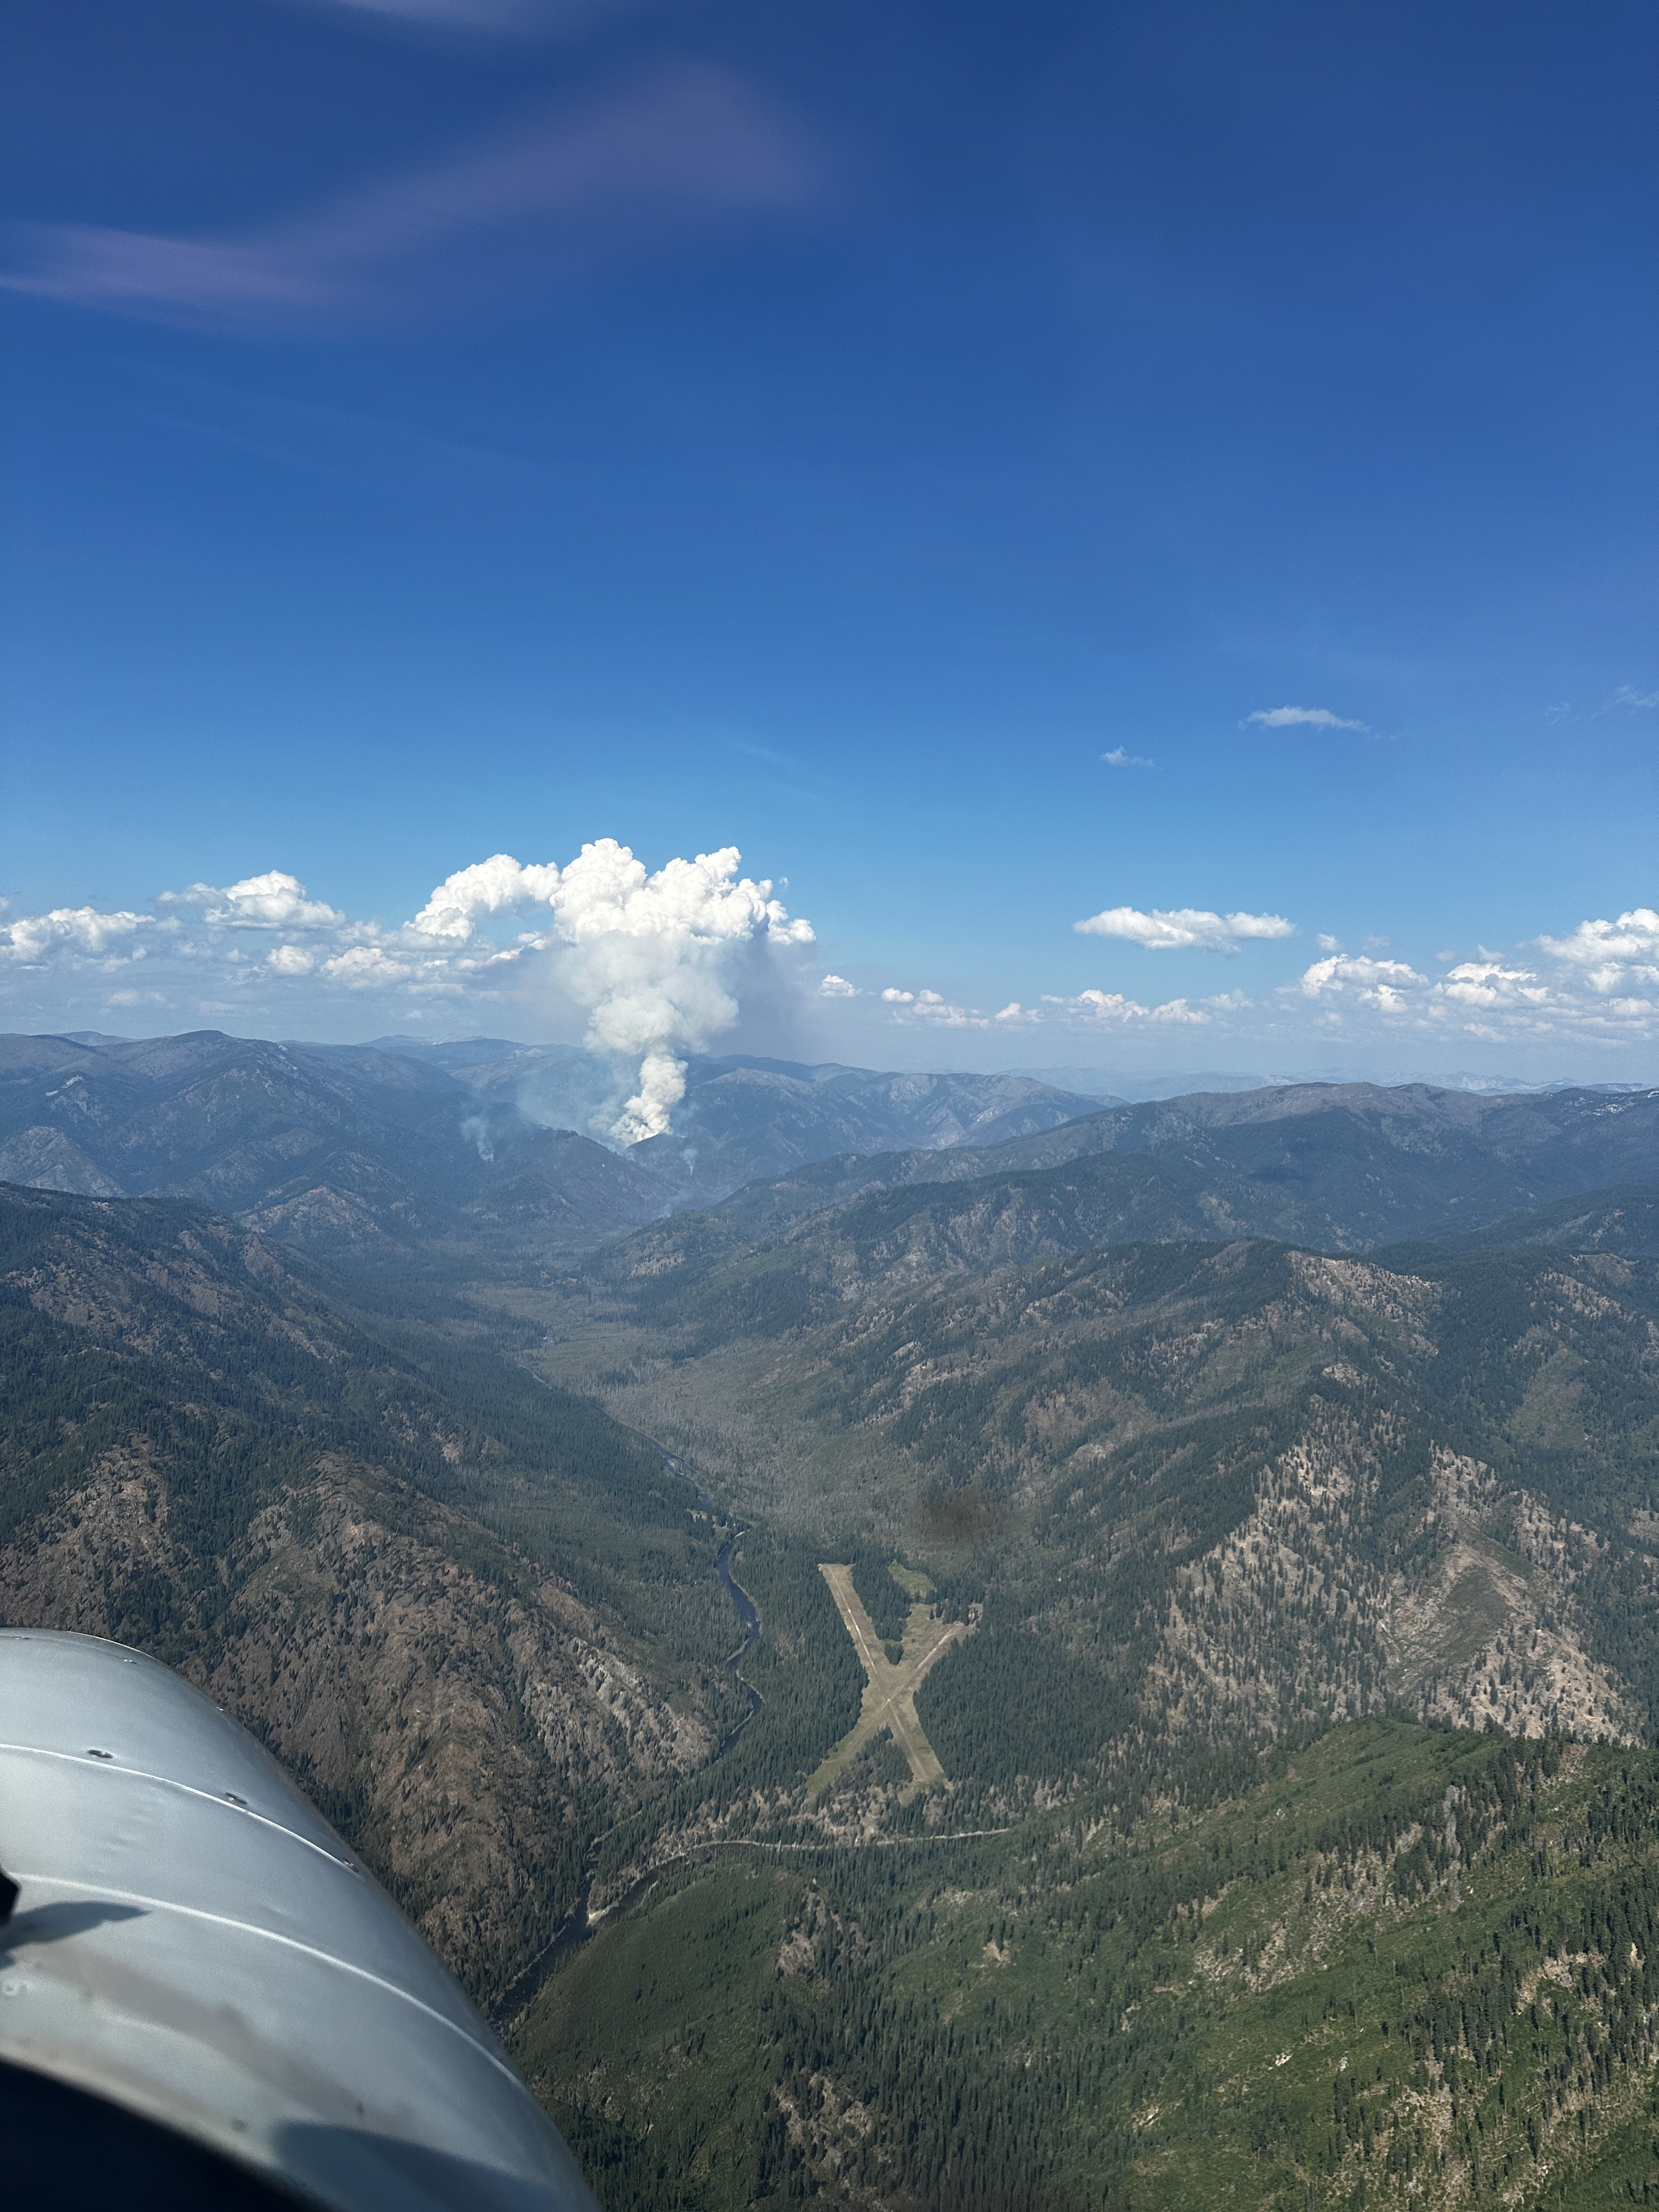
column 933, row 1010
column 655, row 960
column 1598, row 986
column 1183, row 928
column 659, row 964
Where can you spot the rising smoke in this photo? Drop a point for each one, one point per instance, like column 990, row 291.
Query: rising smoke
column 655, row 959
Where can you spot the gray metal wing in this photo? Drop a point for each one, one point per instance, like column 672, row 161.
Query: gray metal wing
column 192, row 1943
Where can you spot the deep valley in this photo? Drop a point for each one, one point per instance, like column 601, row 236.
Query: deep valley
column 1236, row 1520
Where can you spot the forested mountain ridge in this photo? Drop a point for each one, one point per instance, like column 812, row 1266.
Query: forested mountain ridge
column 742, row 1117
column 1624, row 1220
column 1206, row 1493
column 368, row 1152
column 347, row 1150
column 483, row 1149
column 1342, row 1167
column 474, row 1616
column 1397, row 1967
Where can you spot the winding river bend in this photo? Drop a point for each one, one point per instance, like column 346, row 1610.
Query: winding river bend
column 748, row 1619
column 578, row 1923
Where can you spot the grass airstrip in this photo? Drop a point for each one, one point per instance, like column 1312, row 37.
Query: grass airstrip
column 890, row 1690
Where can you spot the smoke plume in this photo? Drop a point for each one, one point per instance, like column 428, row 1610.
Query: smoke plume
column 654, row 958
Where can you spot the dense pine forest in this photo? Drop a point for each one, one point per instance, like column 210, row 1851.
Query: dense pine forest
column 1398, row 1965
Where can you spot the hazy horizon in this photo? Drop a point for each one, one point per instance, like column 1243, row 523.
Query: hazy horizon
column 1105, row 1078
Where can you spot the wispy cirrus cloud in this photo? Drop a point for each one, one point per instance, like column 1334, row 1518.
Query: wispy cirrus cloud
column 1182, row 929
column 676, row 152
column 1303, row 717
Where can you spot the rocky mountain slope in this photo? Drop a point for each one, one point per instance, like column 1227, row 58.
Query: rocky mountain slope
column 1206, row 1913
column 1273, row 1549
column 473, row 1616
column 1205, row 1493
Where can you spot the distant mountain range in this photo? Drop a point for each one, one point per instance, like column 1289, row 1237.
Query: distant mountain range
column 388, row 1146
column 379, row 1147
column 1339, row 1167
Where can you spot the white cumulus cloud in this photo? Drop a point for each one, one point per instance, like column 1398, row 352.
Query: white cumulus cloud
column 1612, row 954
column 1182, row 928
column 363, row 966
column 1119, row 756
column 933, row 1010
column 1381, row 983
column 487, row 887
column 34, row 938
column 1605, row 973
column 1114, row 1007
column 273, row 901
column 1490, row 983
column 837, row 986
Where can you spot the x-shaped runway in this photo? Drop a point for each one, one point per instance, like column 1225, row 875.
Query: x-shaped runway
column 890, row 1693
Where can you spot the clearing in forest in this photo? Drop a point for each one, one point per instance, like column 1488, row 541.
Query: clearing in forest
column 890, row 1693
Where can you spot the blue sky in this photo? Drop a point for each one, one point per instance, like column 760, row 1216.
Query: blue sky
column 446, row 430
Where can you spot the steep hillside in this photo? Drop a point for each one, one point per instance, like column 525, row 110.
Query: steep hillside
column 473, row 1616
column 1205, row 1493
column 1624, row 1220
column 1241, row 1569
column 1401, row 1968
column 348, row 1151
